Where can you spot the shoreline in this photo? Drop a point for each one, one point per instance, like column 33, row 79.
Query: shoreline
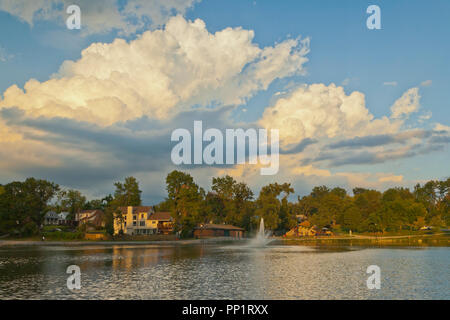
column 437, row 240
column 422, row 240
column 16, row 242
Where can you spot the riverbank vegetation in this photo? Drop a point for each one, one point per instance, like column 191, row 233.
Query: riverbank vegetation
column 232, row 202
column 397, row 210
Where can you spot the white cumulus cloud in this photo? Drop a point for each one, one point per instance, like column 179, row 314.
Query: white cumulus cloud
column 160, row 73
column 321, row 111
column 408, row 103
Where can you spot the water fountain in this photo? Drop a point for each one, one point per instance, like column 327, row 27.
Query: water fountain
column 262, row 237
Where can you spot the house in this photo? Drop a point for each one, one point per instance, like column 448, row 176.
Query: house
column 301, row 231
column 93, row 218
column 324, row 232
column 51, row 218
column 62, row 219
column 164, row 222
column 83, row 214
column 142, row 220
column 218, row 230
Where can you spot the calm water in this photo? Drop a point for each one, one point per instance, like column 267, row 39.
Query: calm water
column 223, row 272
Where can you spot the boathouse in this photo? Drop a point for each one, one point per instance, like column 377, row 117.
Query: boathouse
column 218, row 230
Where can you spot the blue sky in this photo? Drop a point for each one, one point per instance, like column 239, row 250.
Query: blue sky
column 411, row 48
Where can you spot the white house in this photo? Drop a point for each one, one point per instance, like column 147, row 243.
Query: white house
column 62, row 218
column 51, row 217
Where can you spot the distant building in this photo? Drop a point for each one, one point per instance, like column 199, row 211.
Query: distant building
column 51, row 218
column 62, row 218
column 91, row 217
column 324, row 232
column 164, row 222
column 218, row 230
column 301, row 231
column 142, row 220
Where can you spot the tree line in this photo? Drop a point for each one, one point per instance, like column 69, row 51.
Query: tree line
column 23, row 205
column 366, row 210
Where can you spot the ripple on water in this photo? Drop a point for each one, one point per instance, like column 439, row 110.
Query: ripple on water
column 224, row 272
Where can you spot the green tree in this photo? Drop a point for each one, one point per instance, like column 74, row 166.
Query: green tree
column 352, row 218
column 72, row 201
column 230, row 201
column 187, row 202
column 23, row 205
column 99, row 204
column 243, row 206
column 269, row 207
column 127, row 193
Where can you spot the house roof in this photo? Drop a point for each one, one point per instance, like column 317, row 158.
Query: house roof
column 137, row 209
column 161, row 216
column 95, row 213
column 63, row 215
column 95, row 218
column 51, row 214
column 89, row 211
column 219, row 227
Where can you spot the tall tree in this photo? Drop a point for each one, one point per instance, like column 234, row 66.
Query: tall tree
column 187, row 202
column 268, row 206
column 23, row 205
column 128, row 193
column 72, row 201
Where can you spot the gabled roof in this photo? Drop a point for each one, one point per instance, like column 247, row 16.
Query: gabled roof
column 161, row 216
column 89, row 214
column 137, row 209
column 88, row 211
column 63, row 215
column 219, row 227
column 51, row 214
column 95, row 217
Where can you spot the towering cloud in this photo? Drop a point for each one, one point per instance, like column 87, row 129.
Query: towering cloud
column 161, row 72
column 110, row 113
column 321, row 111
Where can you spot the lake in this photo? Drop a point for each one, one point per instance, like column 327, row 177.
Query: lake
column 223, row 271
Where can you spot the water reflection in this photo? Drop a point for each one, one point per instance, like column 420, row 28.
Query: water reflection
column 223, row 272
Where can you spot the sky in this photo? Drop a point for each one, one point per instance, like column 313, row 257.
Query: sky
column 354, row 107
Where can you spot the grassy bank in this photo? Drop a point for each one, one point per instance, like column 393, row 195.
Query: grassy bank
column 413, row 240
column 77, row 236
